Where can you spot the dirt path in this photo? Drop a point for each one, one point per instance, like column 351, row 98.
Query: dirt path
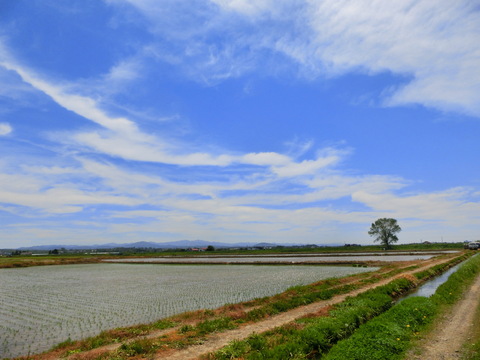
column 449, row 335
column 217, row 341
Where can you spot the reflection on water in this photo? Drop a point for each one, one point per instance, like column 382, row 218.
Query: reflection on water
column 429, row 288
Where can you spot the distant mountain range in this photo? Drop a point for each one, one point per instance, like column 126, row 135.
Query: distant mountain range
column 182, row 244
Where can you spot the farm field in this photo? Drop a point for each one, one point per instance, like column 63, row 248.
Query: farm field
column 42, row 306
column 284, row 323
column 312, row 254
column 278, row 259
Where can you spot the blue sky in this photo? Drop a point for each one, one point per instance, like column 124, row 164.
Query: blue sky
column 238, row 120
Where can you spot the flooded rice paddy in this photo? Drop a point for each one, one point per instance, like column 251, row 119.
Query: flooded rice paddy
column 292, row 259
column 42, row 306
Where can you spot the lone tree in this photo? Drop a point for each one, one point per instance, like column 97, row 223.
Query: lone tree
column 384, row 231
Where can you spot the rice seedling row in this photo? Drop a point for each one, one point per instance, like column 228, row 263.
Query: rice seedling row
column 41, row 307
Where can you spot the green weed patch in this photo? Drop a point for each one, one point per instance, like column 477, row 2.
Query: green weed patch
column 214, row 325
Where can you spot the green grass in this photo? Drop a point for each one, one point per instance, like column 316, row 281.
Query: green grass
column 214, row 325
column 209, row 321
column 137, row 347
column 390, row 334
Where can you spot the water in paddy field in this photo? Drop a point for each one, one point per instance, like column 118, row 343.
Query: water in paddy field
column 42, row 306
column 293, row 259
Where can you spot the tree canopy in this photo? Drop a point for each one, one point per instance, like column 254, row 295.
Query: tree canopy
column 384, row 230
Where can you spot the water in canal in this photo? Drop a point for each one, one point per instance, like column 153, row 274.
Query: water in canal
column 429, row 288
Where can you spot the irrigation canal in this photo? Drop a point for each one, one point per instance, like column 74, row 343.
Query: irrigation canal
column 428, row 288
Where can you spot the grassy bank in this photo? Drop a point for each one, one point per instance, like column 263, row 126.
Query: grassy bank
column 391, row 334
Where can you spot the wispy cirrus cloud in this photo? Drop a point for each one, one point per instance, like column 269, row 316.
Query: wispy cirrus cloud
column 433, row 45
column 5, row 129
column 40, row 194
column 205, row 204
column 453, row 206
column 93, row 157
column 122, row 137
column 263, row 207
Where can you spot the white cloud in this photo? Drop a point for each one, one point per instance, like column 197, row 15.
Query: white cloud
column 453, row 206
column 124, row 138
column 227, row 208
column 247, row 7
column 5, row 129
column 265, row 158
column 433, row 45
column 309, row 167
column 50, row 170
column 121, row 137
column 43, row 195
column 81, row 105
column 13, row 89
column 217, row 193
column 123, row 71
